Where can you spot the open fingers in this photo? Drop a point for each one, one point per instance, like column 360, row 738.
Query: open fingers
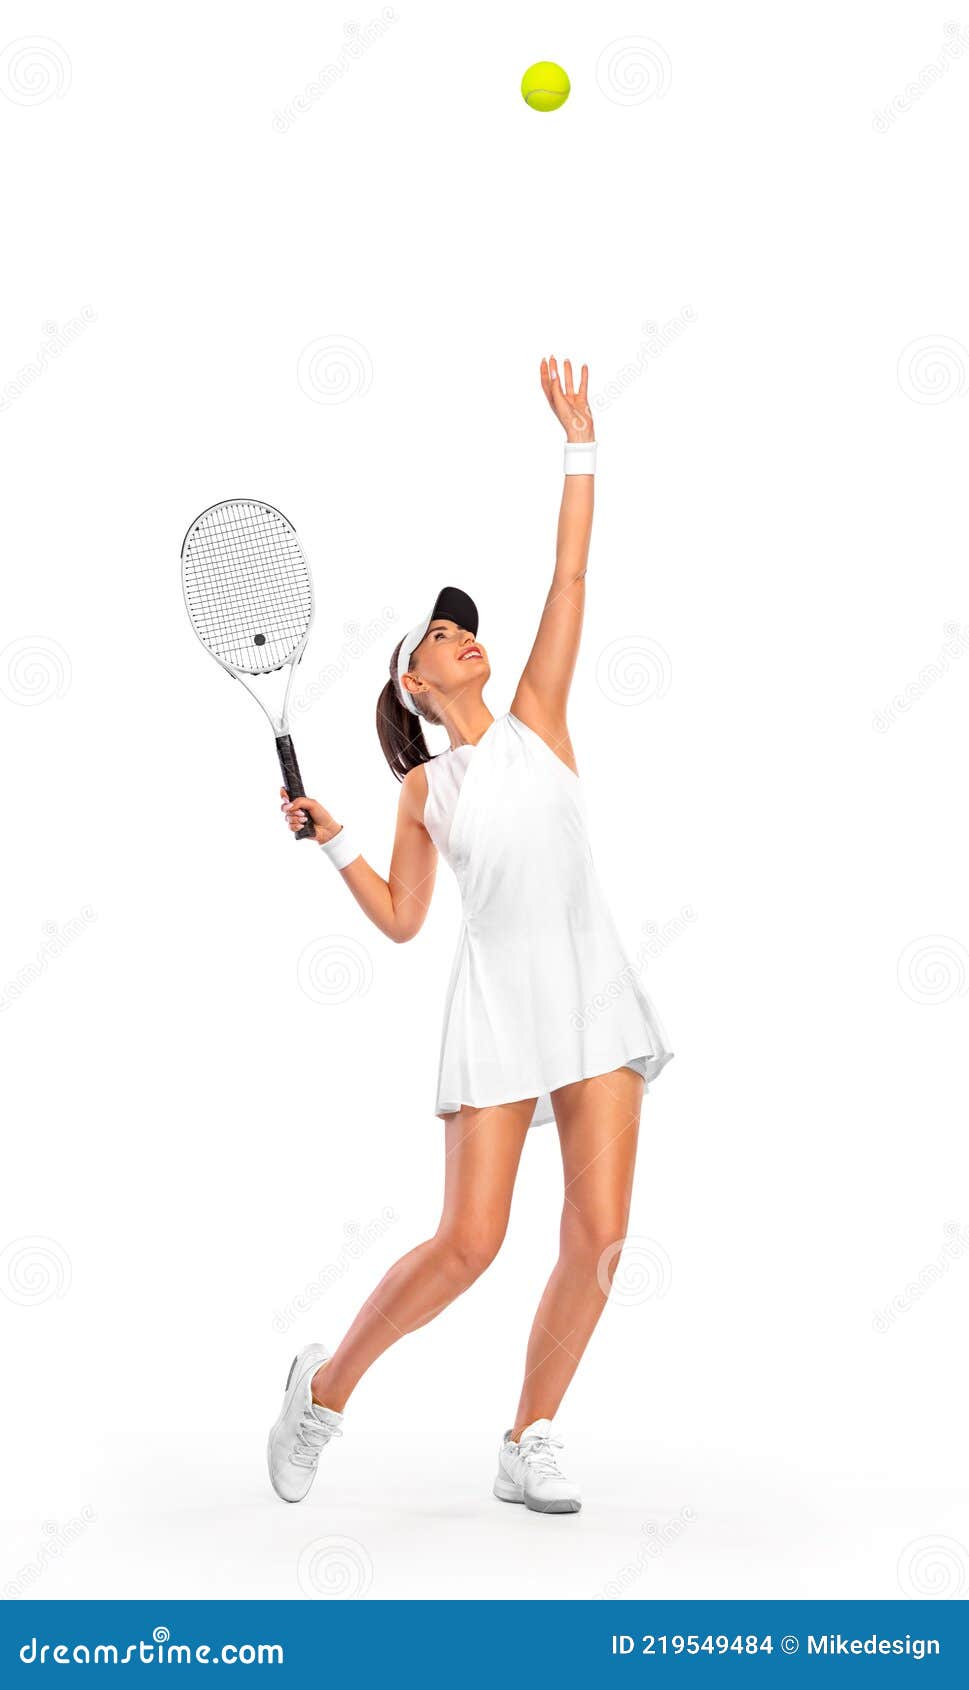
column 560, row 391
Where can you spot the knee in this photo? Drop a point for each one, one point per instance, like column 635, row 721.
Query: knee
column 467, row 1250
column 594, row 1242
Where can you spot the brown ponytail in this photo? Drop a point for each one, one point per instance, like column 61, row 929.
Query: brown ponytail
column 398, row 729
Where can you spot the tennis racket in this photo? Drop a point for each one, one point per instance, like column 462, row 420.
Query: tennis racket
column 249, row 597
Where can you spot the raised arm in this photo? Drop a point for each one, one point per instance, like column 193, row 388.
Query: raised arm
column 398, row 904
column 543, row 691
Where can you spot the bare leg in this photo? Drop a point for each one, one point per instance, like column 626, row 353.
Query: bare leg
column 483, row 1149
column 598, row 1122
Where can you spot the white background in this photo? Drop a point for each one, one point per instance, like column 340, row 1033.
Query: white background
column 780, row 547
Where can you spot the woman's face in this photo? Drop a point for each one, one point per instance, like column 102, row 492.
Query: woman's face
column 450, row 661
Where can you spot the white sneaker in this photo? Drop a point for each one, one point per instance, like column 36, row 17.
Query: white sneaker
column 528, row 1472
column 302, row 1430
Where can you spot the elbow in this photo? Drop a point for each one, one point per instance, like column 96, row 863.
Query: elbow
column 567, row 575
column 407, row 922
column 400, row 935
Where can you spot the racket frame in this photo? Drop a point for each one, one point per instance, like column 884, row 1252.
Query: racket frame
column 292, row 779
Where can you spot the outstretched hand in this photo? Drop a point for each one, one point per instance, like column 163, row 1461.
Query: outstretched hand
column 571, row 407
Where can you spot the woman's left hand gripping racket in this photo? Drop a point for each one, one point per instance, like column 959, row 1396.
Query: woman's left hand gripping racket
column 249, row 597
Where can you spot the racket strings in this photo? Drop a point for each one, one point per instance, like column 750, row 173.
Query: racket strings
column 246, row 580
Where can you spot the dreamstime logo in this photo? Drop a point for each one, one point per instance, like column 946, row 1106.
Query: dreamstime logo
column 358, row 642
column 34, row 69
column 57, row 338
column 358, row 41
column 934, row 969
column 643, row 1271
column 934, row 1566
column 334, row 970
column 657, row 339
column 656, row 939
column 933, row 370
column 57, row 1539
column 956, row 645
column 335, row 1567
column 928, row 76
column 34, row 1270
column 34, row 669
column 658, row 1539
column 634, row 670
column 334, row 369
column 143, row 1653
column 634, row 69
column 955, row 1247
column 56, row 940
column 358, row 1240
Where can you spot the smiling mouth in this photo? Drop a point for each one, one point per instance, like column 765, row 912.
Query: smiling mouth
column 472, row 651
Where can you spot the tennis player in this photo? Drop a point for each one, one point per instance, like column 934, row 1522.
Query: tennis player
column 521, row 1044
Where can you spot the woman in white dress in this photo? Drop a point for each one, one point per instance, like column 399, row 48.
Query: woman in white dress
column 544, row 1015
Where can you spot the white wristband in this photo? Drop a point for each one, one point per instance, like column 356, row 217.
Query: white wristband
column 341, row 849
column 580, row 457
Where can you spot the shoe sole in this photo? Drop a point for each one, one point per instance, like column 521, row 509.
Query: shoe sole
column 568, row 1505
column 506, row 1491
column 275, row 1427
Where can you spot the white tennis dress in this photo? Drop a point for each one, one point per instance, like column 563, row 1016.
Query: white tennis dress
column 541, row 992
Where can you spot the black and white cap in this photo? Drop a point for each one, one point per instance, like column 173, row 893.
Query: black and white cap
column 451, row 605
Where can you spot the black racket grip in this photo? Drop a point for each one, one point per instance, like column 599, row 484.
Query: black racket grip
column 292, row 779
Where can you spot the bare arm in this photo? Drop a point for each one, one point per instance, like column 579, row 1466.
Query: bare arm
column 542, row 697
column 399, row 904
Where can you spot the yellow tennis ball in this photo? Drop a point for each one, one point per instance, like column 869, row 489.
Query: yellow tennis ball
column 545, row 86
